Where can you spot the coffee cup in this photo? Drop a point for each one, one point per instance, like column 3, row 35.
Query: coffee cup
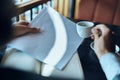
column 84, row 28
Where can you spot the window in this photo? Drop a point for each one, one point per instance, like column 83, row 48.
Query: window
column 28, row 9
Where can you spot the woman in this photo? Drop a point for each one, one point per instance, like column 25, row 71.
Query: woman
column 9, row 32
column 109, row 60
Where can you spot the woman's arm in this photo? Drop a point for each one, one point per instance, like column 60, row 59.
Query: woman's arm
column 23, row 28
column 104, row 46
column 110, row 64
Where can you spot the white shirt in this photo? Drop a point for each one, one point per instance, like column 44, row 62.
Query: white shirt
column 110, row 64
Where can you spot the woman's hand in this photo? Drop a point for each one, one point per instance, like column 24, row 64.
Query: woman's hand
column 23, row 28
column 103, row 40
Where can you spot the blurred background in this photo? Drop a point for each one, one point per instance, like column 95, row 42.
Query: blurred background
column 64, row 7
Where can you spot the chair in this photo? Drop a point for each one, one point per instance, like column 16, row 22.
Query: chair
column 103, row 11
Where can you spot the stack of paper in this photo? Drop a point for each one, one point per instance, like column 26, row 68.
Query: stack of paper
column 55, row 44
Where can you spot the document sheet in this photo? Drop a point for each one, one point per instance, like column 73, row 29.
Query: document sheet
column 55, row 44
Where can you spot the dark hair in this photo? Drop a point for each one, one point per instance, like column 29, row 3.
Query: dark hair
column 7, row 8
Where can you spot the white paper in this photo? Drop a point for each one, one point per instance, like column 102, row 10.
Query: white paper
column 56, row 43
column 73, row 70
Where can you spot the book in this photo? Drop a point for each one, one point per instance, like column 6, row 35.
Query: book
column 56, row 5
column 71, row 8
column 61, row 6
column 77, row 6
column 55, row 44
column 66, row 8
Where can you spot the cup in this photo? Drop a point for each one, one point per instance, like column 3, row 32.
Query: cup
column 84, row 28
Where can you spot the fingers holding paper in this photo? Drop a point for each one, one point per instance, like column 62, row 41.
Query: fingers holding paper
column 23, row 28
